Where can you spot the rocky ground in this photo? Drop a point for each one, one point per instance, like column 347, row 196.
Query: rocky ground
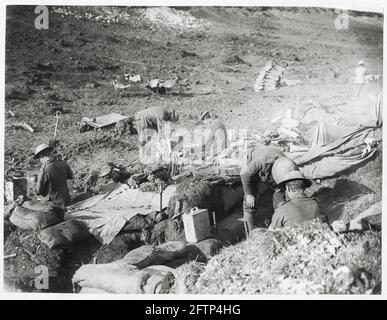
column 216, row 53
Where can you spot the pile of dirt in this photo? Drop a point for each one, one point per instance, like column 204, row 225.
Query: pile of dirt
column 118, row 248
column 304, row 259
column 164, row 231
column 344, row 197
column 196, row 193
column 31, row 254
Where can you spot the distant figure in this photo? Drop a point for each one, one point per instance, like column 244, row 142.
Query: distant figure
column 216, row 140
column 360, row 77
column 52, row 179
column 298, row 208
column 152, row 119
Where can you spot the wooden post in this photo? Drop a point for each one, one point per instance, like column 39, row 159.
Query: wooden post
column 161, row 196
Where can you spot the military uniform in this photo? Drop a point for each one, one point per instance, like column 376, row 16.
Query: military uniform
column 259, row 164
column 52, row 181
column 150, row 119
column 217, row 138
column 295, row 211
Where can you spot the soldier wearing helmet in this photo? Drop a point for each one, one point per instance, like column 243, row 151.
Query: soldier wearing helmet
column 259, row 169
column 52, row 179
column 299, row 207
column 150, row 119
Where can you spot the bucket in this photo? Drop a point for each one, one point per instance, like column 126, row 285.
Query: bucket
column 196, row 225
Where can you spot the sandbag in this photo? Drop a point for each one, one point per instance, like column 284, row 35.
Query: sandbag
column 150, row 255
column 141, row 257
column 38, row 205
column 64, row 233
column 33, row 220
column 121, row 277
column 88, row 290
column 159, row 282
column 193, row 254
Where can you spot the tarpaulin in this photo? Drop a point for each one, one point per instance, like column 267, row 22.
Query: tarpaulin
column 326, row 133
column 106, row 214
column 329, row 160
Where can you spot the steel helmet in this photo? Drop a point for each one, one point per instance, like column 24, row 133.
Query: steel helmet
column 297, row 175
column 40, row 148
column 281, row 169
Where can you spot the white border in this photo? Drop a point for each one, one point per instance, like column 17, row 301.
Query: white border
column 364, row 5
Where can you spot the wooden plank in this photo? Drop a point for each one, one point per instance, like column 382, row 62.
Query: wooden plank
column 105, row 120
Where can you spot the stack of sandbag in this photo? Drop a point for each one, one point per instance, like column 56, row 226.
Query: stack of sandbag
column 147, row 269
column 140, row 271
column 269, row 77
column 123, row 278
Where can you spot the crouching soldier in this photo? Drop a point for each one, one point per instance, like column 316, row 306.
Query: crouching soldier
column 52, row 180
column 299, row 207
column 152, row 119
column 258, row 168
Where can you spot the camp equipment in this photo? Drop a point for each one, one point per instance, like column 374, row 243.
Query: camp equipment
column 196, row 225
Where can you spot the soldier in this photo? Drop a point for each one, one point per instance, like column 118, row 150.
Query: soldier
column 299, row 207
column 258, row 168
column 216, row 139
column 360, row 77
column 52, row 180
column 152, row 119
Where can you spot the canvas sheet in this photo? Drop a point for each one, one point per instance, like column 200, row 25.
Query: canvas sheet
column 335, row 157
column 106, row 214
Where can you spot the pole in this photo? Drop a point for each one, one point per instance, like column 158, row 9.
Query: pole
column 161, row 196
column 57, row 115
